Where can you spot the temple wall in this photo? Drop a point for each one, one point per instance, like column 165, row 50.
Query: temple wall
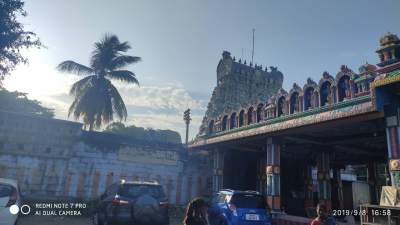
column 55, row 159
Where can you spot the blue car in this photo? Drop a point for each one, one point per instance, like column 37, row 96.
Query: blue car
column 230, row 207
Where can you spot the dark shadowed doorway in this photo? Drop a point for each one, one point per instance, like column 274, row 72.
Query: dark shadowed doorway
column 240, row 170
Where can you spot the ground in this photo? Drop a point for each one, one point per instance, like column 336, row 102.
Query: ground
column 176, row 219
column 35, row 220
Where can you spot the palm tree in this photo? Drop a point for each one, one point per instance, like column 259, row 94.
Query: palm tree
column 96, row 98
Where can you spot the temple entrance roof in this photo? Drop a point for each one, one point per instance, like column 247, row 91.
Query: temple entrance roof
column 354, row 140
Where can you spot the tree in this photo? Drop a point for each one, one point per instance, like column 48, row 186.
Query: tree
column 96, row 98
column 19, row 102
column 13, row 37
column 142, row 133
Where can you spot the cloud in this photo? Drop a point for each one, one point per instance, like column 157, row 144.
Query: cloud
column 162, row 107
column 158, row 107
column 167, row 97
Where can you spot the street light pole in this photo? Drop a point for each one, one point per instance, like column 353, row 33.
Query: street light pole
column 187, row 119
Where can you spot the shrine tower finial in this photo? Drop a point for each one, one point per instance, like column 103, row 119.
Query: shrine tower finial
column 389, row 50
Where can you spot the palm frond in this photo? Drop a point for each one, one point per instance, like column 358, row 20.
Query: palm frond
column 123, row 60
column 96, row 100
column 107, row 56
column 74, row 67
column 123, row 75
column 79, row 86
column 117, row 103
column 104, row 51
column 123, row 47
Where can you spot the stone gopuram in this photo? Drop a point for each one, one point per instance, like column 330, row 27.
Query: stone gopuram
column 239, row 85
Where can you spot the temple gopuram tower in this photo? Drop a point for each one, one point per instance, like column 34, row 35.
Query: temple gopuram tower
column 238, row 85
column 389, row 51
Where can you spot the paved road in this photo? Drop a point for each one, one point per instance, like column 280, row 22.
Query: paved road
column 50, row 220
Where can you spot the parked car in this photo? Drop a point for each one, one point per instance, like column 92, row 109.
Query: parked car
column 9, row 196
column 134, row 202
column 230, row 207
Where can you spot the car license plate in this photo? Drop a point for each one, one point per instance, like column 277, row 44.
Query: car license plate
column 252, row 217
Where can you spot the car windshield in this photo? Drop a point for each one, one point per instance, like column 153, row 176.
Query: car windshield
column 135, row 190
column 248, row 201
column 5, row 190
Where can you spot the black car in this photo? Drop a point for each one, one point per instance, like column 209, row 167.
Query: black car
column 134, row 202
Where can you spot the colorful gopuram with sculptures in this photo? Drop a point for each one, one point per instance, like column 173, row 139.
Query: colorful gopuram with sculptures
column 262, row 137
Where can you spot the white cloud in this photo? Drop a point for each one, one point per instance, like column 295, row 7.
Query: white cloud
column 148, row 106
column 152, row 97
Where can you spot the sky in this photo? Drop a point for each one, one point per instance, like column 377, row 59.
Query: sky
column 181, row 42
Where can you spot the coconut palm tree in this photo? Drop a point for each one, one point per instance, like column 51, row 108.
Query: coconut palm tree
column 96, row 98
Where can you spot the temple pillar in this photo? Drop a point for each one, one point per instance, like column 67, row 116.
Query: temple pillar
column 218, row 169
column 308, row 187
column 323, row 177
column 394, row 154
column 371, row 168
column 273, row 174
column 261, row 175
column 393, row 143
column 338, row 188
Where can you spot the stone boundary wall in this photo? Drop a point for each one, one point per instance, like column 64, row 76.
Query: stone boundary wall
column 55, row 159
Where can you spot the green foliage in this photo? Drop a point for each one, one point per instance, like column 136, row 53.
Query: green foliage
column 13, row 37
column 96, row 98
column 19, row 102
column 144, row 134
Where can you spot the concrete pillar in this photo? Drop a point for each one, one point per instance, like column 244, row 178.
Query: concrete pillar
column 170, row 187
column 178, row 189
column 95, row 185
column 273, row 175
column 80, row 191
column 189, row 187
column 323, row 177
column 199, row 186
column 371, row 167
column 218, row 169
column 308, row 187
column 67, row 185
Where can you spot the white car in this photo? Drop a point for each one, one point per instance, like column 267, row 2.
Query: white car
column 9, row 197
